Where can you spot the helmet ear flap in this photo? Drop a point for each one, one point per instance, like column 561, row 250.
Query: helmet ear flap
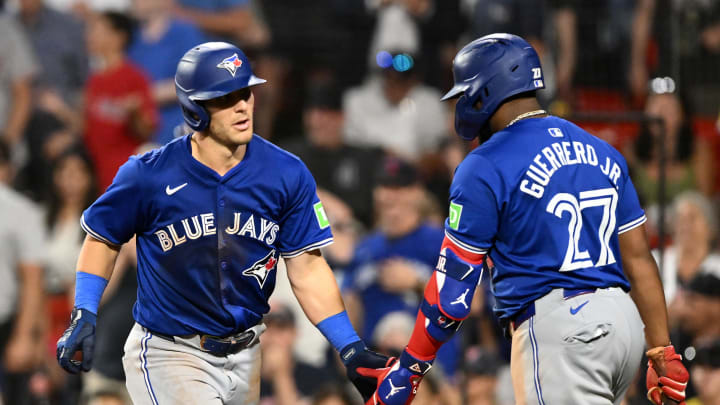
column 196, row 116
column 468, row 120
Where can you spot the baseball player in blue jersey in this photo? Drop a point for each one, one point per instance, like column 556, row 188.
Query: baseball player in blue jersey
column 554, row 209
column 213, row 212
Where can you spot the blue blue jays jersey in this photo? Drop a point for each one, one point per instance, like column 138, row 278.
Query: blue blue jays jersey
column 545, row 200
column 207, row 245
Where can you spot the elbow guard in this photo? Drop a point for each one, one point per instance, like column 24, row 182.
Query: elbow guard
column 449, row 293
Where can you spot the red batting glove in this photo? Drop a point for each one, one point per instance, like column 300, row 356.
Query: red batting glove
column 666, row 375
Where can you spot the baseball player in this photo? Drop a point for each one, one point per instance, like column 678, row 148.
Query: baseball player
column 213, row 212
column 553, row 209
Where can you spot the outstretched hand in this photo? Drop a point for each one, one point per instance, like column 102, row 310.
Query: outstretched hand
column 397, row 383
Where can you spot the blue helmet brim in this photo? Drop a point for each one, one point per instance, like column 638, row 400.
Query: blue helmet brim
column 209, row 95
column 456, row 91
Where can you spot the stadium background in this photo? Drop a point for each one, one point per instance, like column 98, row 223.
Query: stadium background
column 353, row 89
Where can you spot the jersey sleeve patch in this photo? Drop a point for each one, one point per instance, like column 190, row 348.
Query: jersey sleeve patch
column 632, row 224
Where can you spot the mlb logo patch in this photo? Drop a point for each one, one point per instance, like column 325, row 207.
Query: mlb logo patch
column 231, row 64
column 555, row 132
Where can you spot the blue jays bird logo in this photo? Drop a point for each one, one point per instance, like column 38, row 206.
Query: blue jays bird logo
column 231, row 64
column 262, row 268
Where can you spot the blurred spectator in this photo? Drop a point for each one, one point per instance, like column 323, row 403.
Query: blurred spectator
column 698, row 314
column 157, row 47
column 688, row 157
column 680, row 38
column 592, row 40
column 22, row 347
column 55, row 37
column 119, row 112
column 394, row 111
column 284, row 379
column 17, row 69
column 232, row 20
column 331, row 395
column 73, row 190
column 705, row 371
column 700, row 311
column 481, row 371
column 694, row 235
column 337, row 167
column 392, row 265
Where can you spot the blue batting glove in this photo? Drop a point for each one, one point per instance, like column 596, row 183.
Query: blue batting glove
column 80, row 335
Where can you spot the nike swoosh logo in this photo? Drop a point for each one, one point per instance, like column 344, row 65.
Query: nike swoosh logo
column 575, row 310
column 171, row 191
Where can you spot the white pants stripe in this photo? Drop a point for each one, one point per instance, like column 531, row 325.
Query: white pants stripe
column 143, row 362
column 536, row 366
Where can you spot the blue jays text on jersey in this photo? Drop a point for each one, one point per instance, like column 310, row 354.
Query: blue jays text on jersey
column 546, row 201
column 207, row 244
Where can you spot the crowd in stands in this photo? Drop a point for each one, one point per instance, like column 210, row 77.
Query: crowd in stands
column 354, row 90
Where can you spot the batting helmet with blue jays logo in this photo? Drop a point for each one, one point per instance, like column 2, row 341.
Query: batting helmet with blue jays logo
column 208, row 71
column 491, row 69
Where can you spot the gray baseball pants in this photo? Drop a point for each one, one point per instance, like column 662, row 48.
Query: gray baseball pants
column 161, row 372
column 583, row 350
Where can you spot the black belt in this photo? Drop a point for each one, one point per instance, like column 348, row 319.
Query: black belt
column 529, row 311
column 216, row 345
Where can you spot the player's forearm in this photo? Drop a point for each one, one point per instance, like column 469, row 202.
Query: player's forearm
column 315, row 287
column 648, row 295
column 647, row 291
column 97, row 258
column 31, row 300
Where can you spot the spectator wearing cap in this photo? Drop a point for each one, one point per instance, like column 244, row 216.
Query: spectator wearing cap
column 705, row 369
column 21, row 288
column 393, row 110
column 286, row 380
column 481, row 371
column 392, row 264
column 698, row 314
column 337, row 167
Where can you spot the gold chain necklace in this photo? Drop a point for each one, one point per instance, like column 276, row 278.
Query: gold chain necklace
column 526, row 115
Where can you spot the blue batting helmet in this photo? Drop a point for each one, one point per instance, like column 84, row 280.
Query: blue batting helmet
column 491, row 69
column 208, row 71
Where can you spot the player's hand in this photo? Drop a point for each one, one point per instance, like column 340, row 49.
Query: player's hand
column 79, row 336
column 666, row 375
column 357, row 359
column 397, row 384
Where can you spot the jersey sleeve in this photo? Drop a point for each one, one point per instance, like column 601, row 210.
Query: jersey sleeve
column 305, row 226
column 473, row 219
column 629, row 212
column 116, row 216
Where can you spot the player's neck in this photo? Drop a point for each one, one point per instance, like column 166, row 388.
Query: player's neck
column 510, row 110
column 219, row 157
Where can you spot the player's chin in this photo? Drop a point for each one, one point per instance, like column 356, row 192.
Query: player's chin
column 241, row 134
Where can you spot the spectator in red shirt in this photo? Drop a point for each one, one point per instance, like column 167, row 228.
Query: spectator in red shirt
column 119, row 111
